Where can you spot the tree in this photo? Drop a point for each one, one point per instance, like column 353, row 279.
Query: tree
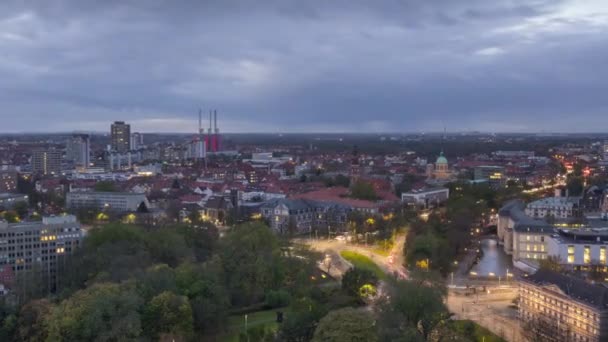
column 21, row 208
column 105, row 186
column 364, row 191
column 413, row 306
column 347, row 325
column 142, row 208
column 11, row 216
column 169, row 314
column 100, row 312
column 575, row 186
column 355, row 278
column 301, row 321
column 553, row 263
column 342, row 180
column 32, row 319
column 251, row 260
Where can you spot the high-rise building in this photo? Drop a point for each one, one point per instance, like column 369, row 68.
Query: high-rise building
column 121, row 136
column 46, row 162
column 78, row 150
column 137, row 141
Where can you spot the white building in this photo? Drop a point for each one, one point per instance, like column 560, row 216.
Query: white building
column 428, row 197
column 110, row 201
column 558, row 207
column 579, row 249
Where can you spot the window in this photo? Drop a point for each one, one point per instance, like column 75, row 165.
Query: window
column 587, row 255
column 571, row 254
column 603, row 255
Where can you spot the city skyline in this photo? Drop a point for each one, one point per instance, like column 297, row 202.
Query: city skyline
column 508, row 66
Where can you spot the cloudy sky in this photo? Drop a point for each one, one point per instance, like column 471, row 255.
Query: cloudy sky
column 301, row 66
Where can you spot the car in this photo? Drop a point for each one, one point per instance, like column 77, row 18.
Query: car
column 341, row 238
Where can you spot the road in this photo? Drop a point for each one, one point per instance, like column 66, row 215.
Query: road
column 491, row 310
column 393, row 264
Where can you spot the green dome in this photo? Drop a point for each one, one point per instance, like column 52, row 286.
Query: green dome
column 441, row 159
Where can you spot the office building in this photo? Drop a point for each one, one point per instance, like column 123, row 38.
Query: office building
column 46, row 162
column 78, row 150
column 495, row 175
column 121, row 136
column 119, row 202
column 557, row 307
column 580, row 249
column 41, row 246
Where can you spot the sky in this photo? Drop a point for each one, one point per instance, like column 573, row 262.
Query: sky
column 305, row 66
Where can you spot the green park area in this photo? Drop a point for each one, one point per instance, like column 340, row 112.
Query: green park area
column 475, row 331
column 363, row 262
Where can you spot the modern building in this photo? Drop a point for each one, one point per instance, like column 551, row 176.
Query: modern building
column 557, row 307
column 39, row 246
column 121, row 136
column 303, row 216
column 46, row 162
column 580, row 249
column 119, row 202
column 556, row 207
column 78, row 150
column 426, row 198
column 495, row 175
column 8, row 200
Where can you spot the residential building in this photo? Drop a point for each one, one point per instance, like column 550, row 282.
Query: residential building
column 8, row 179
column 121, row 136
column 46, row 162
column 557, row 307
column 427, row 197
column 109, row 201
column 40, row 246
column 303, row 216
column 217, row 209
column 137, row 141
column 78, row 150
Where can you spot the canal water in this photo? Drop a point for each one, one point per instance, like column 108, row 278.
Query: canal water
column 494, row 262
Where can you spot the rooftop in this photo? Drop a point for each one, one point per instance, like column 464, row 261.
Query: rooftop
column 577, row 289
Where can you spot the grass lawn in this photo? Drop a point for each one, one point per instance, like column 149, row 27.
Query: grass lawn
column 236, row 324
column 363, row 262
column 479, row 332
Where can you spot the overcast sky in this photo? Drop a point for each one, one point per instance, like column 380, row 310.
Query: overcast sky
column 303, row 66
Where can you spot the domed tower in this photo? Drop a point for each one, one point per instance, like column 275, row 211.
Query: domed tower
column 442, row 170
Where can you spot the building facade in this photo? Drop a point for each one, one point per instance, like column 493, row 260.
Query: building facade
column 78, row 150
column 39, row 246
column 580, row 249
column 121, row 136
column 8, row 200
column 303, row 216
column 557, row 207
column 106, row 201
column 556, row 307
column 46, row 162
column 8, row 179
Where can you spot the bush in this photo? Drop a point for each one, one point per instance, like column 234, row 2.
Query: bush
column 277, row 299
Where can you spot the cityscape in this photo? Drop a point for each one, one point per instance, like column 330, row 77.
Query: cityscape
column 328, row 173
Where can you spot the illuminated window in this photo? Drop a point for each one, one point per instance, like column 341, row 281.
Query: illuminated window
column 528, row 237
column 571, row 254
column 603, row 255
column 587, row 255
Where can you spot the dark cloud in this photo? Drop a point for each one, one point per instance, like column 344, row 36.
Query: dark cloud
column 304, row 65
